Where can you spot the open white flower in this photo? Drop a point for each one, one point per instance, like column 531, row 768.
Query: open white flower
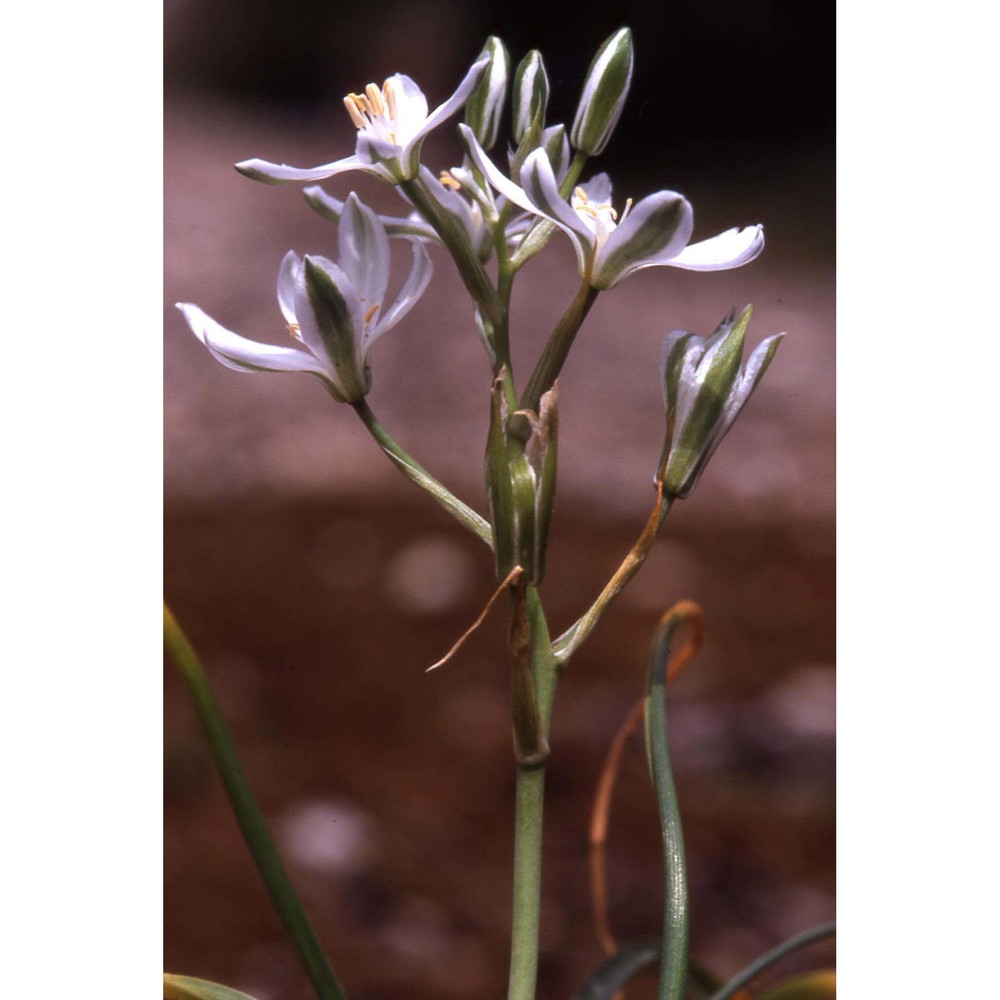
column 392, row 122
column 334, row 311
column 654, row 232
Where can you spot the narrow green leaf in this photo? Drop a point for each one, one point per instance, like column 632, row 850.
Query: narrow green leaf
column 673, row 964
column 772, row 957
column 189, row 988
column 258, row 838
column 619, row 968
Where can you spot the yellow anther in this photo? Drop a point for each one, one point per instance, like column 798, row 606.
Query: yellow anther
column 375, row 98
column 371, row 312
column 364, row 104
column 611, row 212
column 294, row 330
column 625, row 211
column 448, row 181
column 581, row 195
column 389, row 93
column 350, row 102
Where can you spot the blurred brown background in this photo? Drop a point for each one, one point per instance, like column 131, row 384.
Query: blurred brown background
column 318, row 584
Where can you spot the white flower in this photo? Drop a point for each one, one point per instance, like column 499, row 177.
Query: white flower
column 449, row 191
column 703, row 393
column 334, row 311
column 653, row 232
column 392, row 123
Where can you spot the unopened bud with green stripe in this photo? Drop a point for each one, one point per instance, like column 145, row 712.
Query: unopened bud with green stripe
column 484, row 107
column 704, row 391
column 531, row 95
column 604, row 93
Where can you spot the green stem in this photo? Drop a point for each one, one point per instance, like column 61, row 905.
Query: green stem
column 416, row 473
column 529, row 809
column 557, row 349
column 455, row 239
column 529, row 814
column 574, row 637
column 248, row 815
column 772, row 957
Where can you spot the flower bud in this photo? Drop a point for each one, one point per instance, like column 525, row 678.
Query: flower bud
column 531, row 94
column 604, row 93
column 704, row 391
column 484, row 107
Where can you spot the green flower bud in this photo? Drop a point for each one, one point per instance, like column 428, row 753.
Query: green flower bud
column 704, row 391
column 531, row 95
column 604, row 94
column 484, row 107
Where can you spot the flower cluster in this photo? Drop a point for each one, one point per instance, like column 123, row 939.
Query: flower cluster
column 479, row 210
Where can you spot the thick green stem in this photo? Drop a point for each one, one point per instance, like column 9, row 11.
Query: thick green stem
column 530, row 797
column 527, row 882
column 248, row 815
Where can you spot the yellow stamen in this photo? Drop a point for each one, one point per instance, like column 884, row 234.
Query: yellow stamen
column 628, row 206
column 581, row 195
column 371, row 312
column 294, row 330
column 390, row 98
column 375, row 98
column 448, row 181
column 364, row 104
column 350, row 102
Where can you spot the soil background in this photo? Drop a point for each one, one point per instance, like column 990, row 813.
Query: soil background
column 318, row 584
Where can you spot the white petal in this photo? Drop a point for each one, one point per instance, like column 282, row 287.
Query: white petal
column 411, row 107
column 364, row 252
column 332, row 208
column 494, row 175
column 540, row 185
column 653, row 233
column 276, row 173
column 461, row 95
column 756, row 365
column 733, row 248
column 420, row 275
column 288, row 273
column 598, row 189
column 309, row 330
column 376, row 150
column 240, row 354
